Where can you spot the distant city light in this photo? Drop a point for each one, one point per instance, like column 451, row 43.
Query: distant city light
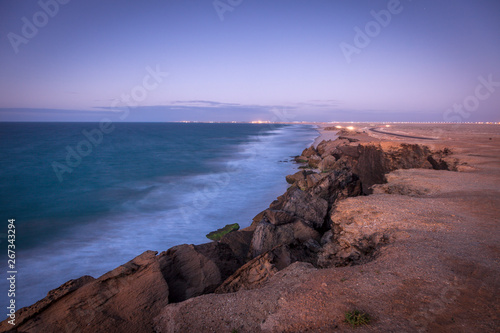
column 350, row 128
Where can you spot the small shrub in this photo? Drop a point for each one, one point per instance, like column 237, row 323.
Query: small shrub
column 357, row 318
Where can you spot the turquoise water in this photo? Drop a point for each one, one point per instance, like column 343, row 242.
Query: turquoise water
column 141, row 186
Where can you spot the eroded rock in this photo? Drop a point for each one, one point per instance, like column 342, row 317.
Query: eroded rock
column 326, row 148
column 337, row 185
column 311, row 209
column 353, row 239
column 257, row 271
column 327, row 163
column 267, row 236
column 314, row 161
column 309, row 152
column 123, row 300
column 196, row 270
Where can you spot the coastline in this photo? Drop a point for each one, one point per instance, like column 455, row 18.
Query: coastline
column 152, row 212
column 324, row 135
column 421, row 224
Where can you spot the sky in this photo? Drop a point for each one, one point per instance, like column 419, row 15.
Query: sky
column 244, row 60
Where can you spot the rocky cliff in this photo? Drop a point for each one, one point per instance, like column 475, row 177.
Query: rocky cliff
column 302, row 225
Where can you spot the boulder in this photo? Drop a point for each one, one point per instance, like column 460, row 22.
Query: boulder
column 348, row 139
column 311, row 209
column 304, row 179
column 125, row 299
column 196, row 270
column 337, row 185
column 312, row 179
column 279, row 217
column 314, row 161
column 354, row 238
column 256, row 220
column 326, row 148
column 301, row 159
column 344, row 163
column 239, row 242
column 296, row 177
column 267, row 236
column 308, row 152
column 349, row 150
column 257, row 271
column 327, row 163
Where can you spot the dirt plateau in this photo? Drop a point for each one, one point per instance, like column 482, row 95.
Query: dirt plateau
column 404, row 229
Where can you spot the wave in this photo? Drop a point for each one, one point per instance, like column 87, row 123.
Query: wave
column 164, row 211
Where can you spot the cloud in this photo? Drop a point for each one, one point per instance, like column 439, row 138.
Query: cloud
column 320, row 103
column 203, row 110
column 50, row 111
column 202, row 103
column 40, row 114
column 196, row 105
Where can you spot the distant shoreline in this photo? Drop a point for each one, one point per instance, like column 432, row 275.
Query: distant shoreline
column 324, row 135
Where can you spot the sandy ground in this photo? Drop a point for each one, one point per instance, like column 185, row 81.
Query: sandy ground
column 324, row 135
column 438, row 273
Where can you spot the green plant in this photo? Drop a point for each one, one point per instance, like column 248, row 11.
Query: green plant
column 234, row 330
column 357, row 318
column 219, row 233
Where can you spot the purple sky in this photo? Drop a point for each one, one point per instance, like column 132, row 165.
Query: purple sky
column 249, row 59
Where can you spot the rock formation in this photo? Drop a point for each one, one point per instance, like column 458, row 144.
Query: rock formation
column 301, row 225
column 122, row 300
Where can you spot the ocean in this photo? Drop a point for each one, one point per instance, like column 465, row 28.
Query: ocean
column 88, row 197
